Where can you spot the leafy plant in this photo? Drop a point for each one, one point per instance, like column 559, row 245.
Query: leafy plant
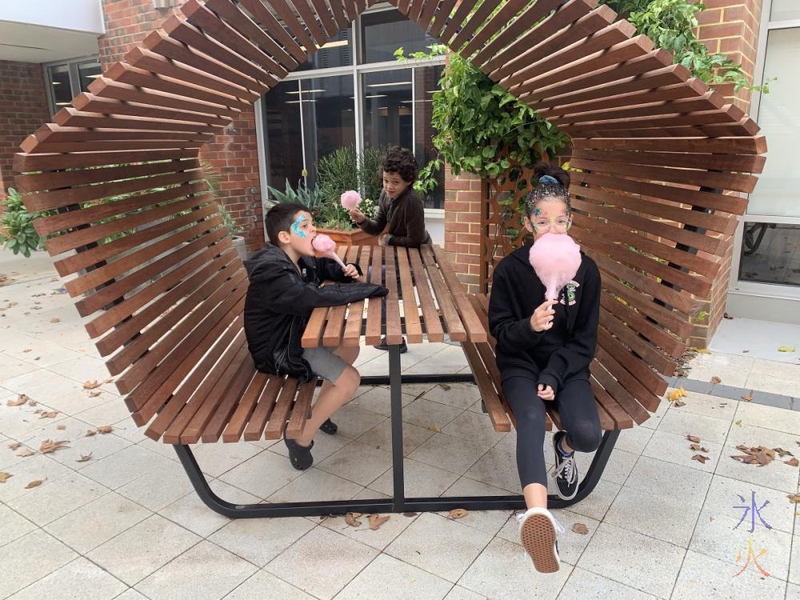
column 227, row 221
column 16, row 226
column 310, row 197
column 671, row 25
column 341, row 170
column 435, row 50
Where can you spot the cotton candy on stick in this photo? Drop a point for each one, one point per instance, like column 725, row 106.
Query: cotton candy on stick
column 350, row 199
column 325, row 245
column 555, row 257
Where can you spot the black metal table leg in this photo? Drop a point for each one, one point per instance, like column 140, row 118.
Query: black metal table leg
column 396, row 401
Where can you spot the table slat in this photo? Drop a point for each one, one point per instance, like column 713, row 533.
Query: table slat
column 410, row 308
column 394, row 333
column 454, row 326
column 433, row 325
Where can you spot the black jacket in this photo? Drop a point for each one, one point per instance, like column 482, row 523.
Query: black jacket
column 405, row 216
column 280, row 300
column 555, row 355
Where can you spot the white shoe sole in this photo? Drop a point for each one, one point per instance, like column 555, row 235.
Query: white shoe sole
column 538, row 536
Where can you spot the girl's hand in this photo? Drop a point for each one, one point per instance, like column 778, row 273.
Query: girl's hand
column 542, row 317
column 357, row 216
column 546, row 392
column 350, row 271
column 383, row 240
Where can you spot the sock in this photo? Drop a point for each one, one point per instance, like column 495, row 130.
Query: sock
column 560, row 446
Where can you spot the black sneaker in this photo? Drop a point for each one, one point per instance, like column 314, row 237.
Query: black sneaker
column 565, row 470
column 329, row 427
column 384, row 346
column 300, row 456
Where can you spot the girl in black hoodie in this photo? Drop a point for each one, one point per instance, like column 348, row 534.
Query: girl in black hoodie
column 544, row 349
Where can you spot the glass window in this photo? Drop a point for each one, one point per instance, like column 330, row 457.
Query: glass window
column 385, row 31
column 87, row 73
column 60, row 88
column 388, row 114
column 426, row 82
column 770, row 253
column 284, row 135
column 336, row 53
column 778, row 188
column 67, row 80
column 784, row 10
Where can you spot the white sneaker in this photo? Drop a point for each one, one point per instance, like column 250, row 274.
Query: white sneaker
column 538, row 532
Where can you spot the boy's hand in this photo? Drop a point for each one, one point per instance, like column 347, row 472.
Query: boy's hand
column 546, row 392
column 383, row 240
column 357, row 215
column 542, row 317
column 350, row 271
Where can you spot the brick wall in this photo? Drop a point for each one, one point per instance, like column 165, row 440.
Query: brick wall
column 23, row 109
column 463, row 201
column 233, row 153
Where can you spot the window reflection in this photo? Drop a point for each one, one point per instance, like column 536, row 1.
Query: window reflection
column 770, row 253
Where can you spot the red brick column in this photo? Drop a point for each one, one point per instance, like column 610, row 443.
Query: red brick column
column 23, row 109
column 233, row 153
column 463, row 202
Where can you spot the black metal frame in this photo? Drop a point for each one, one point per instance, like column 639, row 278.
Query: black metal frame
column 398, row 503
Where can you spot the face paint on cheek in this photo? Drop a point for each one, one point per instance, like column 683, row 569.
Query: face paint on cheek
column 296, row 226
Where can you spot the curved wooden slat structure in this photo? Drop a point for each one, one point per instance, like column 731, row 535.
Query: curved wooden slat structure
column 662, row 162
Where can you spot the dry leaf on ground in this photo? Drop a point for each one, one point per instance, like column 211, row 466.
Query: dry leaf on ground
column 94, row 394
column 25, row 453
column 21, row 399
column 793, row 498
column 676, row 395
column 48, row 414
column 105, row 429
column 55, row 320
column 90, row 385
column 434, row 428
column 444, row 386
column 580, row 528
column 781, row 452
column 4, row 476
column 14, row 445
column 457, row 513
column 375, row 521
column 747, row 397
column 700, row 458
column 85, row 457
column 34, row 483
column 716, row 379
column 698, row 448
column 27, row 349
column 61, row 427
column 792, row 462
column 738, row 423
column 351, row 519
column 90, row 433
column 693, row 438
column 757, row 455
column 49, row 446
column 786, row 348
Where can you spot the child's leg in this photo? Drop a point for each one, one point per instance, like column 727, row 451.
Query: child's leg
column 529, row 411
column 333, row 394
column 578, row 411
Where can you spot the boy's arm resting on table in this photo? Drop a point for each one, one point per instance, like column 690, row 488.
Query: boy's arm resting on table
column 330, row 270
column 415, row 225
column 378, row 224
column 512, row 334
column 289, row 294
column 577, row 353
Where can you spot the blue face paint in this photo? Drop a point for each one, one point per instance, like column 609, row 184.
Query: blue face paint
column 296, row 226
column 537, row 211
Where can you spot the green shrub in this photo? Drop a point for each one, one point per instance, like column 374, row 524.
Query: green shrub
column 16, row 226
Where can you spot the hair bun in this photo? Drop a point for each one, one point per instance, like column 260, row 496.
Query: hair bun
column 549, row 180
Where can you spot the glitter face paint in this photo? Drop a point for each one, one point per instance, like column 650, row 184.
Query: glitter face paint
column 296, row 226
column 537, row 211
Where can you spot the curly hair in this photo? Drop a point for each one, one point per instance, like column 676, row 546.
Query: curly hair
column 401, row 161
column 552, row 182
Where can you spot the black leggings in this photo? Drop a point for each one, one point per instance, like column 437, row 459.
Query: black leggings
column 576, row 406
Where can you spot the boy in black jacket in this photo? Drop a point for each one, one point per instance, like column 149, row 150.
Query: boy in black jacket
column 284, row 288
column 544, row 349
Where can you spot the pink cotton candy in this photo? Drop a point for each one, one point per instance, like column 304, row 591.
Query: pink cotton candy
column 350, row 199
column 555, row 257
column 326, row 246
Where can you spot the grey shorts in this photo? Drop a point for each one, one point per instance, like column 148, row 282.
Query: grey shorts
column 325, row 363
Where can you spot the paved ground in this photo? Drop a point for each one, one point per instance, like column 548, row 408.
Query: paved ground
column 114, row 516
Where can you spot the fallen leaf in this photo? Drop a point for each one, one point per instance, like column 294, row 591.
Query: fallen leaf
column 21, row 399
column 781, row 452
column 34, row 483
column 90, row 433
column 757, row 455
column 105, row 429
column 792, row 462
column 4, row 476
column 90, row 385
column 738, row 423
column 375, row 521
column 693, row 438
column 726, row 316
column 15, row 445
column 410, row 514
column 580, row 528
column 352, row 519
column 700, row 458
column 716, row 380
column 32, row 402
column 745, row 351
column 793, row 498
column 49, row 446
column 747, row 397
column 61, row 427
column 25, row 452
column 94, row 394
column 85, row 457
column 444, row 386
column 701, row 350
column 457, row 513
column 28, row 349
column 55, row 320
column 434, row 428
column 698, row 448
column 677, row 394
column 48, row 414
column 786, row 348
column 678, row 403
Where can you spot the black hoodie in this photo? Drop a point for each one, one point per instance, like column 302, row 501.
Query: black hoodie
column 280, row 300
column 554, row 355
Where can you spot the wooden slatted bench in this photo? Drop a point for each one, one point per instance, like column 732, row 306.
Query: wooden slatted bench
column 616, row 413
